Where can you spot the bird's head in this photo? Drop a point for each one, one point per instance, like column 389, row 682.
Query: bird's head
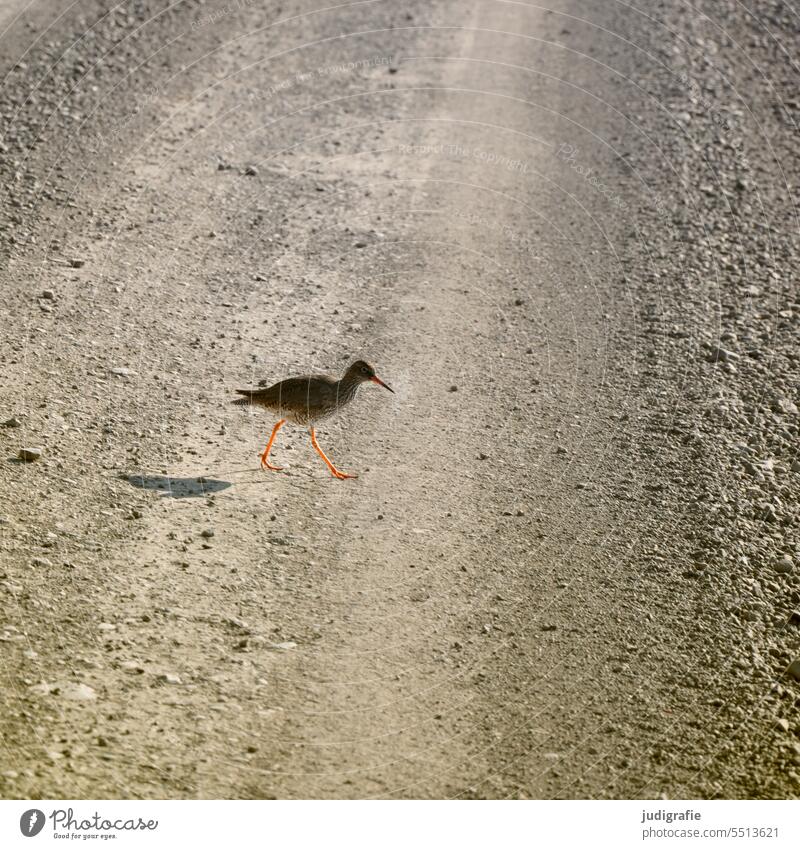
column 362, row 372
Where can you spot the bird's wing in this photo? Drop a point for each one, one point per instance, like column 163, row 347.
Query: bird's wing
column 294, row 390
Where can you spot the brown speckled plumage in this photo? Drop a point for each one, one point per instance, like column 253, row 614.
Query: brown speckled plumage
column 303, row 400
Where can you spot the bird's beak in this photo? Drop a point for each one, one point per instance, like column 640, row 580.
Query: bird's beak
column 381, row 383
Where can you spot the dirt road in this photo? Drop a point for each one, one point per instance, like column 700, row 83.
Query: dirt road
column 509, row 601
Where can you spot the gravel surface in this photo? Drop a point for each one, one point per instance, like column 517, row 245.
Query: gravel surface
column 567, row 238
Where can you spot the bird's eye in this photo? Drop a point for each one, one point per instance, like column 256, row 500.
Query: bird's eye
column 364, row 370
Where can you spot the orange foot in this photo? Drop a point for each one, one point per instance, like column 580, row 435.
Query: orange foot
column 334, row 471
column 265, row 464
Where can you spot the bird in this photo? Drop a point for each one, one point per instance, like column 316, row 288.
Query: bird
column 308, row 400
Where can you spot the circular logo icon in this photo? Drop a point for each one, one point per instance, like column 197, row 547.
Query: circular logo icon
column 31, row 822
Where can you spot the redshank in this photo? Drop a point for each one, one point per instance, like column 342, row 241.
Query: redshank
column 306, row 401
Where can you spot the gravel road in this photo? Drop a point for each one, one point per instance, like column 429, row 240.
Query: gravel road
column 567, row 237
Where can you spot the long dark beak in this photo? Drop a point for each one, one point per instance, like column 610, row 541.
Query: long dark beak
column 381, row 383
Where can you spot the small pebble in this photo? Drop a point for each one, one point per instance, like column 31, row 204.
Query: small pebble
column 28, row 455
column 78, row 692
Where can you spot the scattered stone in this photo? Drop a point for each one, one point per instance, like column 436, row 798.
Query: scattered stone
column 169, row 678
column 549, row 627
column 784, row 406
column 106, row 626
column 767, row 513
column 286, row 646
column 132, row 666
column 722, row 355
column 251, row 171
column 782, row 724
column 794, row 669
column 77, row 263
column 239, row 624
column 784, row 564
column 12, row 422
column 122, row 371
column 561, row 450
column 29, row 455
column 78, row 692
column 482, row 456
column 208, row 533
column 453, row 388
column 41, row 561
column 48, row 295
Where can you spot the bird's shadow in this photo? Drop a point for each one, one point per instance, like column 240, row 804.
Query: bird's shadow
column 169, row 487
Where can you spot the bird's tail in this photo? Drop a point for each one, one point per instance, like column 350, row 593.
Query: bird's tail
column 243, row 402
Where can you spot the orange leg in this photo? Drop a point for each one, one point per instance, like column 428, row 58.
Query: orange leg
column 334, row 471
column 265, row 464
